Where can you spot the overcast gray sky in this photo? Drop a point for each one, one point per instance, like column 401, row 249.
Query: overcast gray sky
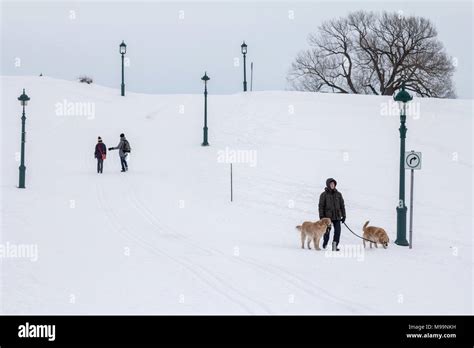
column 170, row 44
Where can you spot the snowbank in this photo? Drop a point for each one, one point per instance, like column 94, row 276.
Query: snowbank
column 165, row 238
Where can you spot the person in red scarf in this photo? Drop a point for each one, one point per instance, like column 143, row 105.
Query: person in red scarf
column 100, row 153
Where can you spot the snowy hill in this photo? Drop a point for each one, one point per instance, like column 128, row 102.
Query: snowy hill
column 165, row 238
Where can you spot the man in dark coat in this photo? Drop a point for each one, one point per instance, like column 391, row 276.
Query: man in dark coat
column 100, row 153
column 124, row 148
column 331, row 205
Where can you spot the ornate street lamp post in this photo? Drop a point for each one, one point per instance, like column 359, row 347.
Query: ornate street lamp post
column 205, row 78
column 23, row 101
column 402, row 97
column 243, row 48
column 123, row 50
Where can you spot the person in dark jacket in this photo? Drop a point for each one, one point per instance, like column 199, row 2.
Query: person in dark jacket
column 331, row 205
column 100, row 153
column 124, row 148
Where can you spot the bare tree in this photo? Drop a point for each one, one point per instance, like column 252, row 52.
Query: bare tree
column 371, row 53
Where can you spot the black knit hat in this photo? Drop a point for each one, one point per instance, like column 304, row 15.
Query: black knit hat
column 122, row 135
column 99, row 139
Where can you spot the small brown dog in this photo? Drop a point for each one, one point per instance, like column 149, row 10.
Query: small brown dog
column 376, row 235
column 313, row 231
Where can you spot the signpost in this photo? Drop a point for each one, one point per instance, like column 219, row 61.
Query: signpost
column 251, row 76
column 412, row 162
column 231, row 185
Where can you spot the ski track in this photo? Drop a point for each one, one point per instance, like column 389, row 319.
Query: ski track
column 202, row 274
column 114, row 221
column 308, row 286
column 273, row 270
column 161, row 228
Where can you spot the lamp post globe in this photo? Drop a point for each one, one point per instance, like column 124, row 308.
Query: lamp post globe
column 243, row 48
column 402, row 97
column 123, row 48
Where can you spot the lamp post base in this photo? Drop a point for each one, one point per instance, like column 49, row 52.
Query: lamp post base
column 204, row 142
column 122, row 91
column 22, row 180
column 402, row 226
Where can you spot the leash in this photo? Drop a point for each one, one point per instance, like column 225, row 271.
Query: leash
column 357, row 234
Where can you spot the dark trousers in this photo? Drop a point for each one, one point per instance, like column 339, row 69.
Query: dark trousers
column 123, row 162
column 337, row 233
column 100, row 165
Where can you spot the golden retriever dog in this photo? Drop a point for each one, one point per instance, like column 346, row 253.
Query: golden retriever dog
column 313, row 231
column 375, row 235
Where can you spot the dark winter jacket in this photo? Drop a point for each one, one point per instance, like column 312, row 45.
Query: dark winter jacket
column 331, row 203
column 120, row 147
column 100, row 149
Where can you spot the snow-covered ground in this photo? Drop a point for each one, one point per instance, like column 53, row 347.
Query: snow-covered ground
column 165, row 238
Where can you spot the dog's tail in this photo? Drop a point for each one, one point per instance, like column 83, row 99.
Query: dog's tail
column 365, row 225
column 298, row 227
